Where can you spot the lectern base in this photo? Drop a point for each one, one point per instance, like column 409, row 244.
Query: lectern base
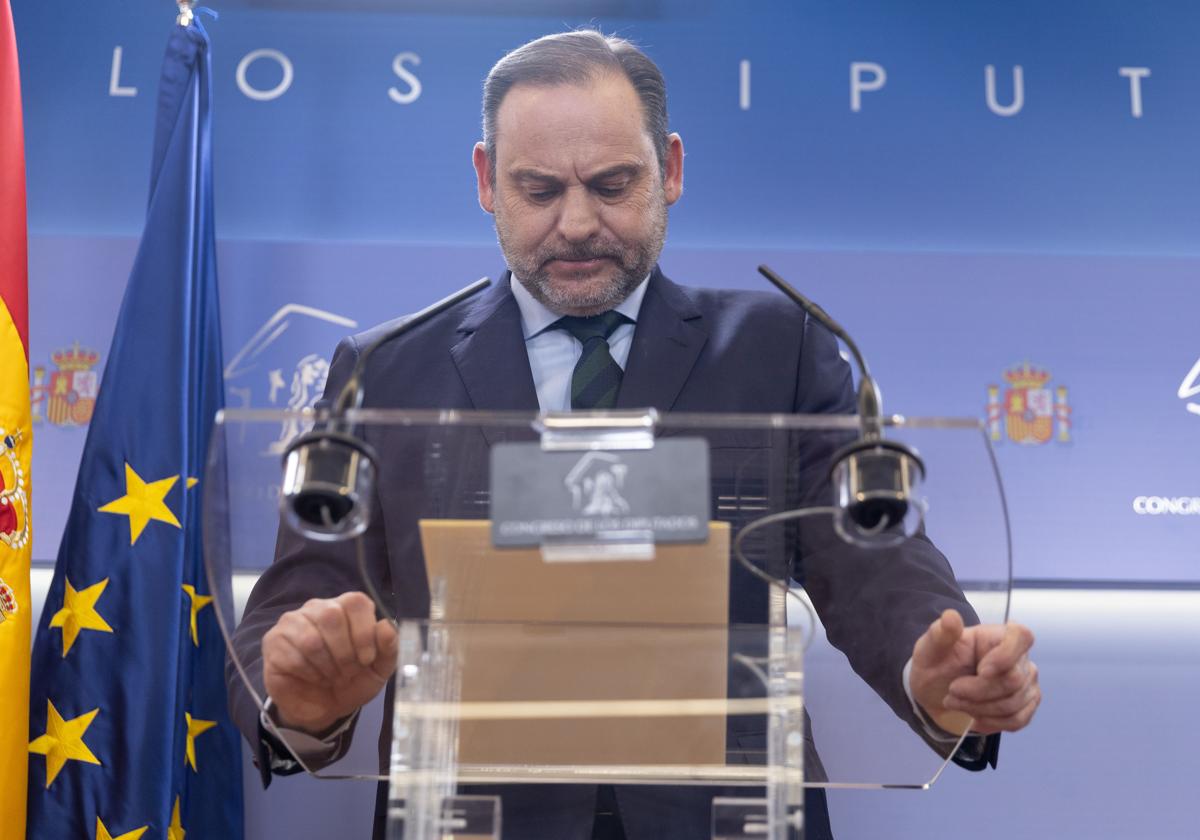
column 743, row 818
column 460, row 818
column 479, row 818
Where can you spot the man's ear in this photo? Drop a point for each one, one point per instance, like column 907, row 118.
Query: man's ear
column 673, row 182
column 483, row 178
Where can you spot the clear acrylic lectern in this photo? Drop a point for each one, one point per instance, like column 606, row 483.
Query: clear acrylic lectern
column 677, row 606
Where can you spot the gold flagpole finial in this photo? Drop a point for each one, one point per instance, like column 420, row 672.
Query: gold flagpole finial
column 185, row 12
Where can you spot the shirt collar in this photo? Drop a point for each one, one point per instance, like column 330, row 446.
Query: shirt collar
column 536, row 318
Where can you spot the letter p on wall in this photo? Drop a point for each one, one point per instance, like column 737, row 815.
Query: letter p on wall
column 861, row 82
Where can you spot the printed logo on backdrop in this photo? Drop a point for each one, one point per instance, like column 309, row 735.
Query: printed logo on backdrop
column 1029, row 409
column 1166, row 505
column 69, row 397
column 284, row 365
column 1189, row 389
column 1189, row 392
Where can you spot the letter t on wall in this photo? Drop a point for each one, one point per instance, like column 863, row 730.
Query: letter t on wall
column 1135, row 76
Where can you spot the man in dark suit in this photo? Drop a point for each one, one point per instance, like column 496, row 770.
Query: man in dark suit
column 578, row 169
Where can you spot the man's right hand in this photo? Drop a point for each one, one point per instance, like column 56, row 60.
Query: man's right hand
column 327, row 659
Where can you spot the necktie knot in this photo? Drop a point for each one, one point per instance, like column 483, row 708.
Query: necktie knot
column 593, row 326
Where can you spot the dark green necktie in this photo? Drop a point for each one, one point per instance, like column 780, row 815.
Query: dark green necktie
column 597, row 378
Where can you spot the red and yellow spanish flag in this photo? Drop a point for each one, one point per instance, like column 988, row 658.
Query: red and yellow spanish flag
column 16, row 442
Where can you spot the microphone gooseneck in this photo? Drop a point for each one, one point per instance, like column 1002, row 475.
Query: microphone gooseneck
column 329, row 472
column 870, row 401
column 351, row 395
column 875, row 480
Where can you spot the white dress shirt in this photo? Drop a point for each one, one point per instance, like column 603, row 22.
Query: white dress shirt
column 554, row 352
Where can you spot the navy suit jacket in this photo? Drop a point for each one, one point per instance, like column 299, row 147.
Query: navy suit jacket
column 693, row 350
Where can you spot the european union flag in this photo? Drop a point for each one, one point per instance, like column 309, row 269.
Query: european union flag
column 128, row 728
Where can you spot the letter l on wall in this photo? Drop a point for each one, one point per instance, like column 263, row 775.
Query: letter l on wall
column 115, row 88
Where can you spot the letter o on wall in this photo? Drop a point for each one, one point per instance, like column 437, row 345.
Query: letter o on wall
column 280, row 89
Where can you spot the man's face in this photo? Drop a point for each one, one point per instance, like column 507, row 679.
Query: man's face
column 579, row 200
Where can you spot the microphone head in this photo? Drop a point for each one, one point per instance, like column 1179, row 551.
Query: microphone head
column 328, row 480
column 875, row 486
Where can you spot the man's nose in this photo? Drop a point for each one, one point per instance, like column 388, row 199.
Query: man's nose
column 579, row 219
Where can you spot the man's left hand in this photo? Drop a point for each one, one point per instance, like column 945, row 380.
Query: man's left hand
column 982, row 673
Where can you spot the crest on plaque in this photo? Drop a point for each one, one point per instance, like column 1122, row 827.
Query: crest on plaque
column 595, row 484
column 1028, row 409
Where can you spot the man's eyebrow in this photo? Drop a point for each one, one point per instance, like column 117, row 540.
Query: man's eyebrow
column 626, row 169
column 530, row 174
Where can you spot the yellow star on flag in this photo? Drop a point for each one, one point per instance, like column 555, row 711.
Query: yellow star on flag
column 175, row 829
column 199, row 602
column 143, row 502
column 192, row 482
column 79, row 613
column 195, row 728
column 63, row 741
column 102, row 833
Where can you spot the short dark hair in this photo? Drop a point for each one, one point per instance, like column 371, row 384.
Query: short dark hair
column 576, row 58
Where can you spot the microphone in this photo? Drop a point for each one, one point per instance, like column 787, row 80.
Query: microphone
column 875, row 480
column 329, row 472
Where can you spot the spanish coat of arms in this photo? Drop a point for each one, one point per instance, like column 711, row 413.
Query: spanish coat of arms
column 1029, row 411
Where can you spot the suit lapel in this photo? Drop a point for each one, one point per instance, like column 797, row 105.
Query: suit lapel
column 666, row 343
column 491, row 357
column 493, row 362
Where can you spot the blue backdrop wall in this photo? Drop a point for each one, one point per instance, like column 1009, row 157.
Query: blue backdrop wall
column 962, row 221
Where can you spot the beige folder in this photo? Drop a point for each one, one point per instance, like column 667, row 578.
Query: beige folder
column 585, row 664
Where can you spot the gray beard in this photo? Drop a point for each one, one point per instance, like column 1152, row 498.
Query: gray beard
column 633, row 264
